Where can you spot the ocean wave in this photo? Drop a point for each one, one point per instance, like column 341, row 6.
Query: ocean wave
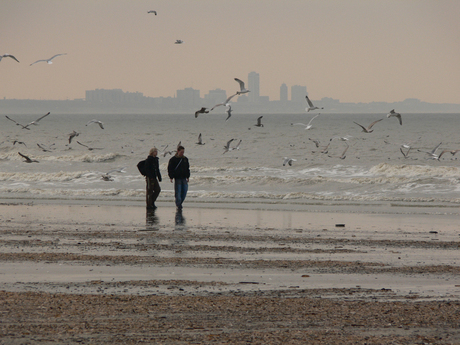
column 81, row 157
column 61, row 176
column 411, row 171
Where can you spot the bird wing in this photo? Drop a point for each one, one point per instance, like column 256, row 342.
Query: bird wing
column 35, row 122
column 100, row 124
column 241, row 83
column 25, row 157
column 51, row 58
column 314, row 117
column 434, row 150
column 373, row 123
column 12, row 120
column 299, row 123
column 33, row 63
column 229, row 98
column 228, row 143
column 217, row 105
column 82, row 144
column 399, row 118
column 10, row 56
column 364, row 128
column 309, row 102
column 343, row 153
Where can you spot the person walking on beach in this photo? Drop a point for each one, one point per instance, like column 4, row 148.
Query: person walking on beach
column 152, row 177
column 179, row 171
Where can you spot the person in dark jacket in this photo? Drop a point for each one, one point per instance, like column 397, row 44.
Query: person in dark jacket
column 152, row 178
column 179, row 171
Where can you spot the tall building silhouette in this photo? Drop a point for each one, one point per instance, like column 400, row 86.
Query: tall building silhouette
column 253, row 86
column 283, row 93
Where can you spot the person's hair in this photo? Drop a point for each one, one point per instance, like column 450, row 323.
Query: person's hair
column 152, row 150
column 180, row 147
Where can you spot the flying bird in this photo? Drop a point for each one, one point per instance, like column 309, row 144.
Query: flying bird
column 310, row 105
column 203, row 110
column 200, row 141
column 19, row 142
column 395, row 114
column 229, row 112
column 307, row 126
column 368, row 129
column 95, row 121
column 8, row 55
column 432, row 153
column 405, row 154
column 242, row 88
column 27, row 159
column 289, row 161
column 73, row 135
column 227, row 146
column 45, row 149
column 343, row 153
column 237, row 147
column 89, row 148
column 178, row 42
column 259, row 122
column 47, row 60
column 35, row 122
column 107, row 177
column 315, row 141
column 155, row 12
column 226, row 103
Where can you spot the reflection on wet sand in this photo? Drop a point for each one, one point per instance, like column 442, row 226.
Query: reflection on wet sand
column 151, row 220
column 179, row 219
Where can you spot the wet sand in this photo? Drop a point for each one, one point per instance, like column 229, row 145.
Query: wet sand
column 316, row 274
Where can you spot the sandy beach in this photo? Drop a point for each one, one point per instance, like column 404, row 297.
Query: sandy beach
column 218, row 273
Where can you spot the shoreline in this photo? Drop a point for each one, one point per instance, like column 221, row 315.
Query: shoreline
column 227, row 272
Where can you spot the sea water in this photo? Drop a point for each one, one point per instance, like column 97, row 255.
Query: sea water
column 373, row 169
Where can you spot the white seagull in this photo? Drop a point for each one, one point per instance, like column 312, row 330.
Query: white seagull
column 432, row 153
column 35, row 122
column 200, row 141
column 47, row 60
column 226, row 103
column 242, row 88
column 95, row 121
column 227, row 146
column 309, row 125
column 310, row 105
column 8, row 55
column 289, row 161
column 395, row 114
column 73, row 135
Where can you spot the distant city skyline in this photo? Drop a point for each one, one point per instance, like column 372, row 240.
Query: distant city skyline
column 353, row 50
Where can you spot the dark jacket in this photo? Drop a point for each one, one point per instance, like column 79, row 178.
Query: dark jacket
column 178, row 167
column 152, row 167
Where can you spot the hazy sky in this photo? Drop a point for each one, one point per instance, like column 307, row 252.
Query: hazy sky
column 355, row 51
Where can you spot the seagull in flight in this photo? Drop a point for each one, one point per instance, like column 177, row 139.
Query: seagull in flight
column 48, row 61
column 73, row 135
column 309, row 125
column 8, row 55
column 226, row 103
column 259, row 122
column 89, row 148
column 200, row 141
column 27, row 159
column 395, row 114
column 343, row 153
column 203, row 110
column 95, row 121
column 310, row 105
column 432, row 153
column 155, row 12
column 35, row 122
column 45, row 149
column 289, row 161
column 107, row 177
column 229, row 112
column 368, row 128
column 19, row 142
column 227, row 146
column 178, row 42
column 242, row 88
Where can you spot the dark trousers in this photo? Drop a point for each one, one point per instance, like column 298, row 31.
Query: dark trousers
column 153, row 190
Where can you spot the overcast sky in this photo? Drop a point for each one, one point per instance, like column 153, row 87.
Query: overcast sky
column 354, row 51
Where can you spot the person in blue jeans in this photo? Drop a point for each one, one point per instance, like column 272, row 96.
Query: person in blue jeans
column 179, row 171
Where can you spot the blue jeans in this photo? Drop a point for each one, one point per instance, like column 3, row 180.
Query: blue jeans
column 180, row 190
